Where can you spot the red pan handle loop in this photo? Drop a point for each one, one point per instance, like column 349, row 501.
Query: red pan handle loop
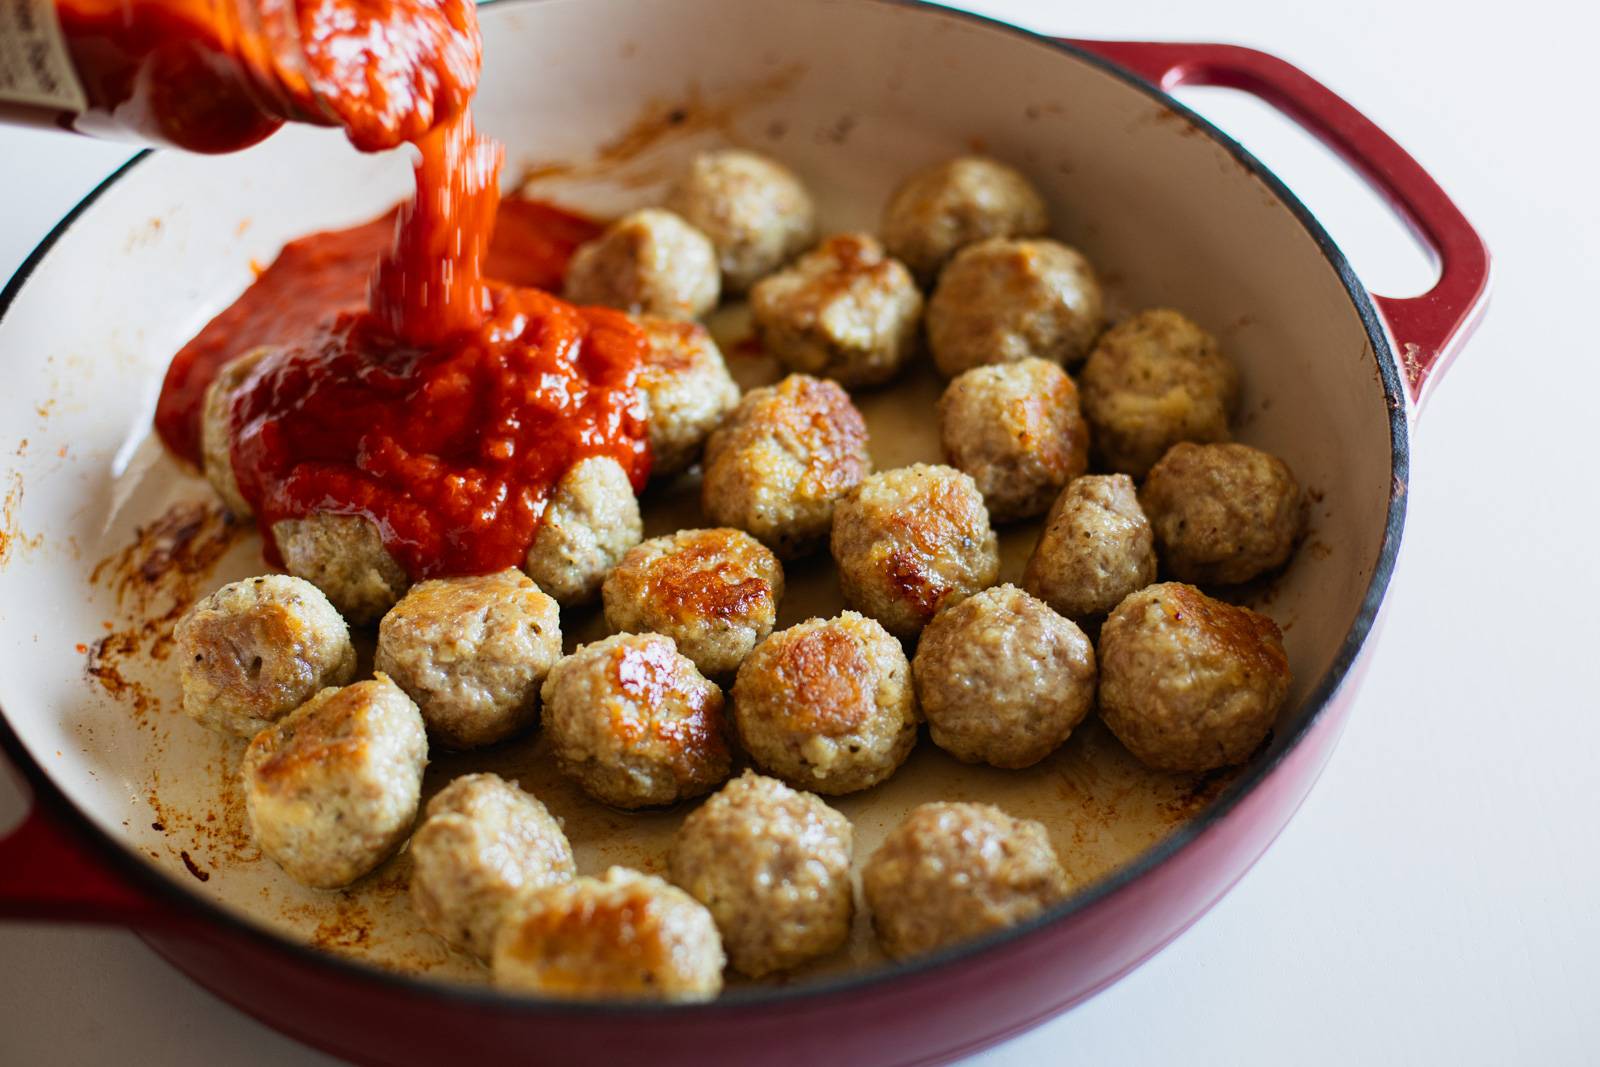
column 1428, row 330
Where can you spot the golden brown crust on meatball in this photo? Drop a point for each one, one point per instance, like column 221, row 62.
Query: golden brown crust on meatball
column 1002, row 679
column 483, row 843
column 1151, row 382
column 216, row 430
column 911, row 541
column 1189, row 683
column 256, row 649
column 590, row 522
column 714, row 592
column 1016, row 429
column 627, row 936
column 1224, row 513
column 331, row 789
column 472, row 652
column 1096, row 548
column 781, row 461
column 1007, row 299
column 844, row 310
column 634, row 723
column 940, row 210
column 649, row 262
column 344, row 556
column 952, row 872
column 827, row 705
column 752, row 208
column 686, row 384
column 773, row 866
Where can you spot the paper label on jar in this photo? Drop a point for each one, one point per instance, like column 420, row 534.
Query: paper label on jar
column 34, row 65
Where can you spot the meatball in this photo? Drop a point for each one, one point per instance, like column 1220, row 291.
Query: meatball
column 773, row 865
column 911, row 541
column 634, row 723
column 714, row 592
column 472, row 652
column 332, row 788
column 827, row 705
column 1189, row 683
column 951, row 872
column 216, row 430
column 754, row 210
column 1151, row 382
column 590, row 521
column 628, row 935
column 344, row 556
column 484, row 842
column 255, row 650
column 781, row 461
column 1223, row 513
column 1002, row 679
column 1095, row 549
column 649, row 262
column 1004, row 299
column 687, row 388
column 844, row 311
column 959, row 202
column 1016, row 429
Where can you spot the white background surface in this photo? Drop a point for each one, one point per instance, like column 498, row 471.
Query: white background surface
column 1437, row 900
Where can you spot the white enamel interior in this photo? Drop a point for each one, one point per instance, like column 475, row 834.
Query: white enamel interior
column 854, row 96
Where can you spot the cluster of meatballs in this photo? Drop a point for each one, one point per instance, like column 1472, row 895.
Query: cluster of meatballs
column 696, row 679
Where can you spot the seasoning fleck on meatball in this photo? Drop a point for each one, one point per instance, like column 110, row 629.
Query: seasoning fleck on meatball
column 773, row 866
column 590, row 521
column 484, row 842
column 1223, row 513
column 255, row 650
column 911, row 541
column 332, row 788
column 781, row 461
column 952, row 872
column 1189, row 683
column 714, row 592
column 1151, row 382
column 626, row 936
column 1016, row 429
column 472, row 652
column 753, row 209
column 634, row 723
column 650, row 262
column 688, row 389
column 216, row 431
column 1096, row 548
column 344, row 556
column 827, row 705
column 1002, row 679
column 844, row 311
column 944, row 208
column 1005, row 299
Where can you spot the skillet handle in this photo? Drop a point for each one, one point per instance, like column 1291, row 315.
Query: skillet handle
column 1428, row 330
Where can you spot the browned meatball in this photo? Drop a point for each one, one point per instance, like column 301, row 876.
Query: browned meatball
column 1002, row 679
column 688, row 388
column 1096, row 548
column 773, row 865
column 590, row 521
column 634, row 723
column 781, row 461
column 714, row 592
column 827, row 705
column 952, row 872
column 627, row 936
column 1017, row 430
column 1223, row 513
column 1189, row 683
column 946, row 207
column 472, row 652
column 650, row 262
column 1151, row 382
column 216, row 430
column 1007, row 299
column 344, row 556
column 753, row 209
column 911, row 541
column 844, row 311
column 256, row 649
column 482, row 845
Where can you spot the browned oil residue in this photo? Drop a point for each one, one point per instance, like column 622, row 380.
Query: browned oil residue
column 12, row 539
